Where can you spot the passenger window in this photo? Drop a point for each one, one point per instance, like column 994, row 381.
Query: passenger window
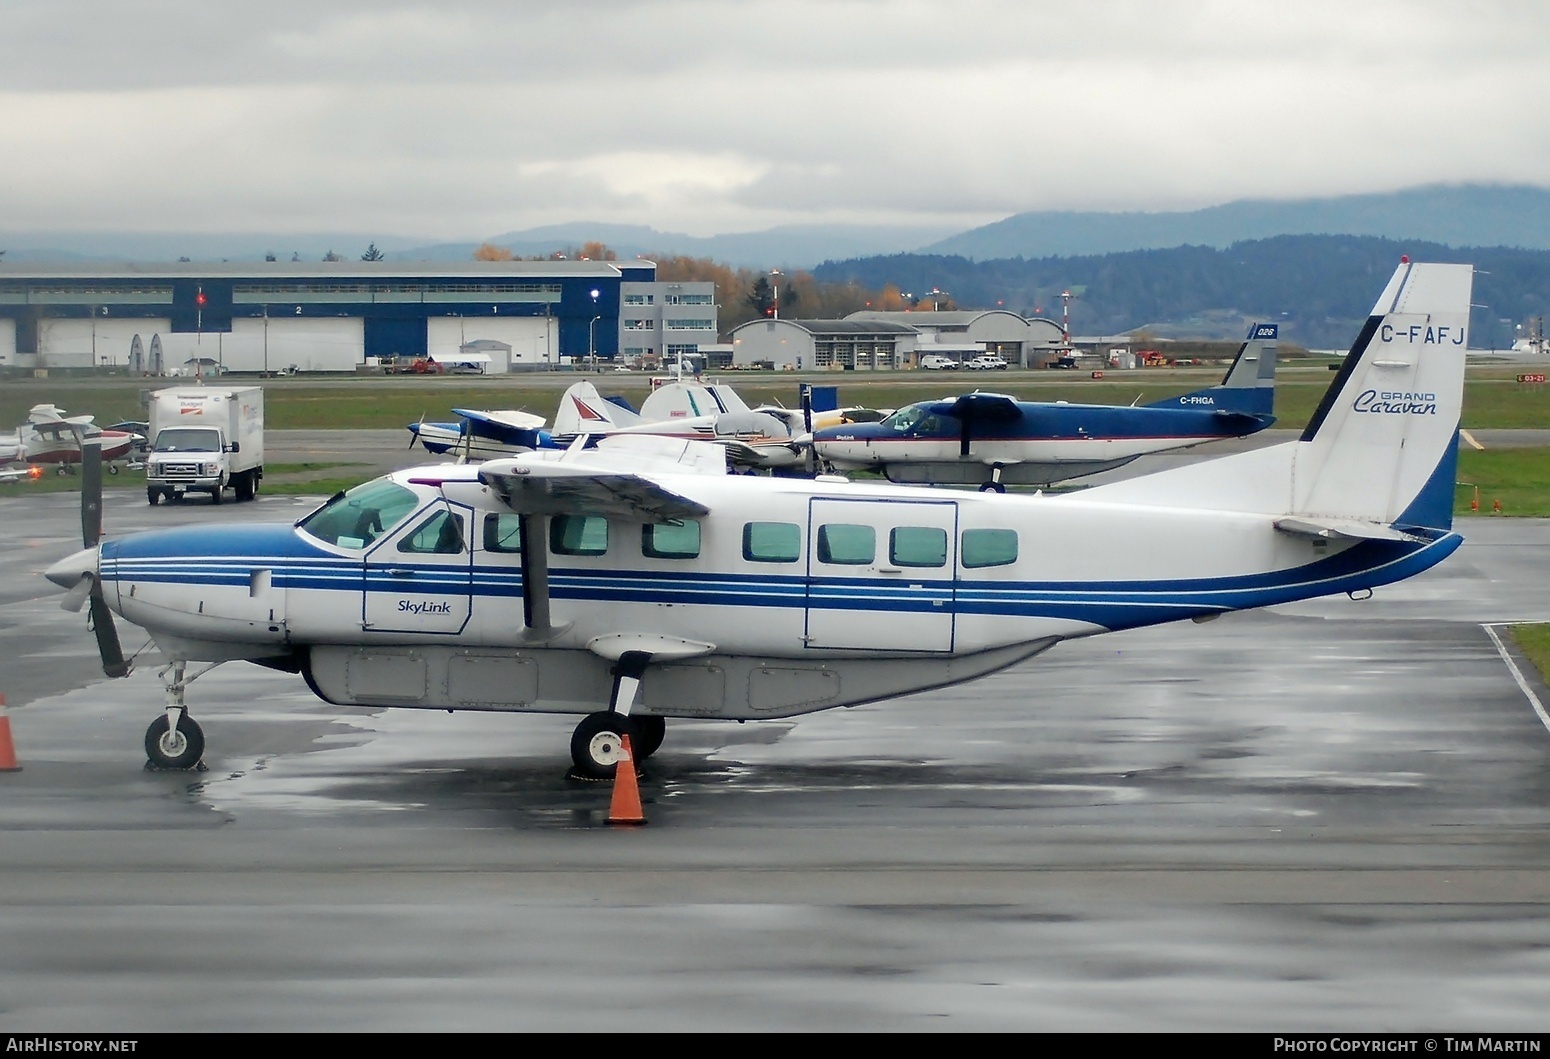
column 772, row 542
column 441, row 534
column 578, row 535
column 989, row 547
column 846, row 545
column 918, row 546
column 670, row 541
column 503, row 533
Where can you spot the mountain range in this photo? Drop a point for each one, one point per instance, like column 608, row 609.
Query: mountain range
column 1450, row 215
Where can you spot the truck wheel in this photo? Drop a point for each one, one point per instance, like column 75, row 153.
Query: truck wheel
column 243, row 486
column 215, row 494
column 152, row 496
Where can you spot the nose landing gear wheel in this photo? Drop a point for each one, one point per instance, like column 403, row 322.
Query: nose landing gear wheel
column 180, row 749
column 598, row 743
column 650, row 731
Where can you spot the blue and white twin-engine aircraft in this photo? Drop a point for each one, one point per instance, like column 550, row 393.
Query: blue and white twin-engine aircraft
column 633, row 588
column 993, row 440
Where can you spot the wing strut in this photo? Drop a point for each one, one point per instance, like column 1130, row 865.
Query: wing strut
column 533, row 533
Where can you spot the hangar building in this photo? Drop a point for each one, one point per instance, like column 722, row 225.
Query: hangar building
column 872, row 340
column 337, row 315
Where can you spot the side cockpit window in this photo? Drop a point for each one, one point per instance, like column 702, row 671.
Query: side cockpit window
column 441, row 534
column 356, row 518
column 503, row 534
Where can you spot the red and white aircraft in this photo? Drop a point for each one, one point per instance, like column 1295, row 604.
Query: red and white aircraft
column 51, row 438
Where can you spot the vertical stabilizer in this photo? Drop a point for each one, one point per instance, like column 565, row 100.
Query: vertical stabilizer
column 1249, row 385
column 1382, row 445
column 1386, row 431
column 583, row 410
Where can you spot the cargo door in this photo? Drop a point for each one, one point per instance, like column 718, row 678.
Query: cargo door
column 881, row 574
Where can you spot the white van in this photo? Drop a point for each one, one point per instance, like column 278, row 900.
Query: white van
column 937, row 362
column 986, row 362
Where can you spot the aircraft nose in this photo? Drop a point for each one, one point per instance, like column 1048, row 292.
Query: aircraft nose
column 67, row 573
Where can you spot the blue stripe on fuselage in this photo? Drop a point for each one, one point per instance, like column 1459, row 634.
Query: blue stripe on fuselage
column 198, row 556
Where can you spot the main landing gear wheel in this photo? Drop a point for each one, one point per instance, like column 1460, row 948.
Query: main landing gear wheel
column 992, row 487
column 168, row 749
column 598, row 743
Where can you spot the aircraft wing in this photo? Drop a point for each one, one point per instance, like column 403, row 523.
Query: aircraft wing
column 554, row 488
column 980, row 407
column 1349, row 529
column 509, row 418
column 612, row 479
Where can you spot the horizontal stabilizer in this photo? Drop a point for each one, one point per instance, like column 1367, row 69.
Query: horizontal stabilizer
column 1349, row 529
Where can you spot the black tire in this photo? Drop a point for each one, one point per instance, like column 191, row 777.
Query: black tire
column 153, row 496
column 596, row 744
column 216, row 493
column 992, row 487
column 112, row 468
column 244, row 487
column 180, row 750
column 649, row 733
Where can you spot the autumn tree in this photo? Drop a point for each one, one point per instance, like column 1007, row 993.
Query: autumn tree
column 491, row 252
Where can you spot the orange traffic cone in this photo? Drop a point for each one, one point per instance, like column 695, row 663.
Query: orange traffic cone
column 1474, row 504
column 7, row 748
column 625, row 807
column 1496, row 507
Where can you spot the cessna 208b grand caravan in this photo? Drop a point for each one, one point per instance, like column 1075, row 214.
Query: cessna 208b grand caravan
column 632, row 589
column 993, row 440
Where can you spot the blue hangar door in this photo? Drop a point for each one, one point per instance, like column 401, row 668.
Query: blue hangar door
column 881, row 574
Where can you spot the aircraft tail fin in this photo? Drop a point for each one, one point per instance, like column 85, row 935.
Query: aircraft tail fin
column 1381, row 448
column 1249, row 385
column 585, row 411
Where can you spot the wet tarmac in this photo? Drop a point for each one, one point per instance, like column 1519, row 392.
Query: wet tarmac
column 1333, row 816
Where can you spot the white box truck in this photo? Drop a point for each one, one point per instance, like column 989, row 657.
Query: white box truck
column 205, row 439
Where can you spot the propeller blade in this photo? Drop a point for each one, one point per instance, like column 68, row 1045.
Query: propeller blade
column 414, row 431
column 807, row 407
column 75, row 599
column 113, row 663
column 91, row 492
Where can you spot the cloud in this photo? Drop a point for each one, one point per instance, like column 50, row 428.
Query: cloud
column 464, row 119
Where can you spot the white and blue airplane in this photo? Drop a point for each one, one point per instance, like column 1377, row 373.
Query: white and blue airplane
column 632, row 588
column 993, row 440
column 482, row 435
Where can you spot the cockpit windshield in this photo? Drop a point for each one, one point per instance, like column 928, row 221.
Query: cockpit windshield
column 188, row 439
column 356, row 518
column 912, row 419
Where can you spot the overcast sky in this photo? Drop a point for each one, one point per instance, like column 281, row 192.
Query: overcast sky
column 458, row 120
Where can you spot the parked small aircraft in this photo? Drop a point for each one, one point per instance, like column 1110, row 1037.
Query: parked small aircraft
column 639, row 581
column 482, row 435
column 768, row 437
column 992, row 440
column 51, row 438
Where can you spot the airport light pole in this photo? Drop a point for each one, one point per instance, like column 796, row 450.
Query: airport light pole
column 775, row 292
column 592, row 331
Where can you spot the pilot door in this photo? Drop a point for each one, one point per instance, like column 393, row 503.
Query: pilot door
column 420, row 579
column 880, row 574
